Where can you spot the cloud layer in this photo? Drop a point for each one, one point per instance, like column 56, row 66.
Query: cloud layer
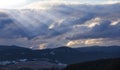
column 70, row 25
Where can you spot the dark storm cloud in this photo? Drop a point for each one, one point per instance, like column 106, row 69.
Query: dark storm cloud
column 103, row 30
column 11, row 31
column 4, row 20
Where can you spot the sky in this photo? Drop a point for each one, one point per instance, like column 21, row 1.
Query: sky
column 56, row 23
column 13, row 4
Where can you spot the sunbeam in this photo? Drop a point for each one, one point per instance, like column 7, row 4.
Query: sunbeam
column 32, row 24
column 12, row 4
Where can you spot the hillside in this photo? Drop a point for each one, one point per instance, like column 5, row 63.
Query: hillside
column 34, row 65
column 65, row 55
column 104, row 64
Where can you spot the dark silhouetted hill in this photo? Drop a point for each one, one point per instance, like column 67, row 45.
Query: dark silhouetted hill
column 105, row 64
column 59, row 55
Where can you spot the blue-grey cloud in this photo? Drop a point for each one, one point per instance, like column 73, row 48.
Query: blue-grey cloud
column 103, row 30
column 59, row 25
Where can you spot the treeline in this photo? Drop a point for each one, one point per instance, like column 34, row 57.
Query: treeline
column 38, row 69
column 105, row 64
column 30, row 68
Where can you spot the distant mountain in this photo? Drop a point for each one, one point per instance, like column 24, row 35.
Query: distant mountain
column 63, row 54
column 104, row 64
column 15, row 52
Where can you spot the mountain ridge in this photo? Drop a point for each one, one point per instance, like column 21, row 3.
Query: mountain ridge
column 64, row 55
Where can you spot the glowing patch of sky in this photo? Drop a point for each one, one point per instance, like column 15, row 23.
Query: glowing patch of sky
column 20, row 3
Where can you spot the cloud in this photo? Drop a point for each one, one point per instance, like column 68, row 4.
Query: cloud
column 76, row 42
column 103, row 30
column 92, row 23
column 12, row 4
column 106, row 30
column 42, row 46
column 71, row 25
column 93, row 42
column 112, row 1
column 47, row 4
column 115, row 22
column 85, row 42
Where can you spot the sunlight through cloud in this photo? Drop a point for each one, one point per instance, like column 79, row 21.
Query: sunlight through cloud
column 9, row 4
